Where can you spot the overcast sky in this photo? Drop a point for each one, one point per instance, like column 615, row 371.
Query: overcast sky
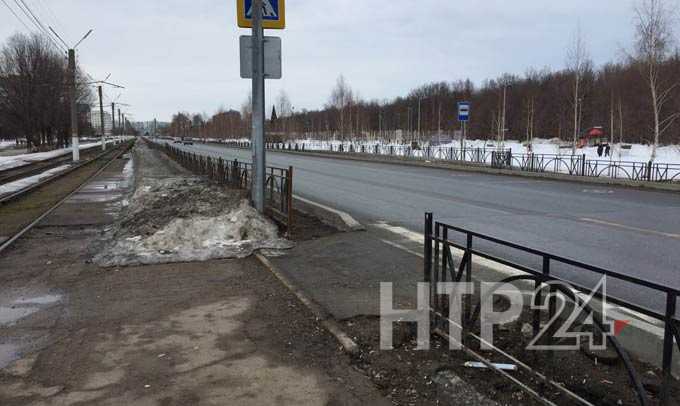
column 183, row 54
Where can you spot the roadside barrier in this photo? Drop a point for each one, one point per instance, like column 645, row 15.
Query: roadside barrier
column 278, row 186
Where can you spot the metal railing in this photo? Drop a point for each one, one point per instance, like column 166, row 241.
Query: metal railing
column 572, row 165
column 439, row 266
column 278, row 187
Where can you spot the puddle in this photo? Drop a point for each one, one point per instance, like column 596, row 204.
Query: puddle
column 24, row 307
column 95, row 197
column 10, row 315
column 103, row 185
column 8, row 354
column 39, row 300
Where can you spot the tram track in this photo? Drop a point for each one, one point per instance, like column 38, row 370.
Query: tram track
column 22, row 210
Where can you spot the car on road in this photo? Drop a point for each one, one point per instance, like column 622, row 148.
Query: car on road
column 188, row 142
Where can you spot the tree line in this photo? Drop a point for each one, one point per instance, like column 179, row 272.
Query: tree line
column 34, row 102
column 635, row 100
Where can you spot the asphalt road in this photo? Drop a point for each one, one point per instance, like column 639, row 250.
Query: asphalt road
column 629, row 231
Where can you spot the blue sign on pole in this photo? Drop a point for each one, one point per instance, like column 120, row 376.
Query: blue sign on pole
column 464, row 111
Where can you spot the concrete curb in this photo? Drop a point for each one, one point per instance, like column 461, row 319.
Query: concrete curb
column 332, row 326
column 333, row 217
column 664, row 187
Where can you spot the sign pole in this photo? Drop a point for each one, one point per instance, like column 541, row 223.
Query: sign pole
column 257, row 142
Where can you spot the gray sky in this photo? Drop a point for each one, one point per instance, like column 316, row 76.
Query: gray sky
column 183, row 55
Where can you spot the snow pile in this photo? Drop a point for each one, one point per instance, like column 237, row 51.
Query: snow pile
column 183, row 220
column 21, row 184
column 8, row 162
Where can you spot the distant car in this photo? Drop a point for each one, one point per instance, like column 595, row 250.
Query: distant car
column 177, row 142
column 187, row 142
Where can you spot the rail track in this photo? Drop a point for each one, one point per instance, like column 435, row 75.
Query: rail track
column 22, row 210
column 35, row 168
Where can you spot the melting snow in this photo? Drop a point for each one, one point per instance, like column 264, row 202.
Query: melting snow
column 162, row 226
column 21, row 184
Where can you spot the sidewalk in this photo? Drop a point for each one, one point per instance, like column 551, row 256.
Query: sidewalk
column 343, row 272
column 222, row 332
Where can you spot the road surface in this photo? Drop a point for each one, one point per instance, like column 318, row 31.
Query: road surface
column 629, row 231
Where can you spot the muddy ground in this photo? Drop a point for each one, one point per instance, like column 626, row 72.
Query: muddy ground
column 210, row 333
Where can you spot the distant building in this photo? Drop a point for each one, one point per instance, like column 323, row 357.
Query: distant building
column 97, row 124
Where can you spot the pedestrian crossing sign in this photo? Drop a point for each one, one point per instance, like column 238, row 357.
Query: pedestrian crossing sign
column 273, row 14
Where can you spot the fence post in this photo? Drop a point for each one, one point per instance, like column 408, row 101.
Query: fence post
column 428, row 248
column 468, row 278
column 552, row 304
column 668, row 338
column 649, row 171
column 583, row 165
column 289, row 197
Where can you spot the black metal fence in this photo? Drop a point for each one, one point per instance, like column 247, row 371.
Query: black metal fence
column 573, row 165
column 278, row 187
column 440, row 266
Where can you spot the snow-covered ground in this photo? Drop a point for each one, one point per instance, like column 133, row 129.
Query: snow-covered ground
column 9, row 162
column 6, row 144
column 548, row 155
column 637, row 153
column 21, row 184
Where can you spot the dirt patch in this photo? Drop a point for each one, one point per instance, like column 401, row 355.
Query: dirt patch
column 307, row 227
column 427, row 377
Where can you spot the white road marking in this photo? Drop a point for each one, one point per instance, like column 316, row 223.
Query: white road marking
column 630, row 228
column 455, row 252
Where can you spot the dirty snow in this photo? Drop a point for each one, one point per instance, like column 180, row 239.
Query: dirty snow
column 21, row 184
column 184, row 220
column 15, row 161
column 7, row 144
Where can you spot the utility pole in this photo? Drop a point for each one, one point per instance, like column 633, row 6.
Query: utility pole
column 257, row 135
column 72, row 100
column 505, row 92
column 419, row 133
column 101, row 117
column 121, row 124
column 113, row 119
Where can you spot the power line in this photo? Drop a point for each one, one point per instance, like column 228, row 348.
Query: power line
column 38, row 24
column 15, row 15
column 50, row 14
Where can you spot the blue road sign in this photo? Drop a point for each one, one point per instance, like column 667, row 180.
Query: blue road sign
column 464, row 111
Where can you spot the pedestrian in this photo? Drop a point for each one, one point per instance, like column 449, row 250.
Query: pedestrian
column 600, row 149
column 607, row 150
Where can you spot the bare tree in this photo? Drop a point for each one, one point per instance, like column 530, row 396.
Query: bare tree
column 284, row 110
column 341, row 98
column 653, row 44
column 283, row 104
column 578, row 64
column 247, row 109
